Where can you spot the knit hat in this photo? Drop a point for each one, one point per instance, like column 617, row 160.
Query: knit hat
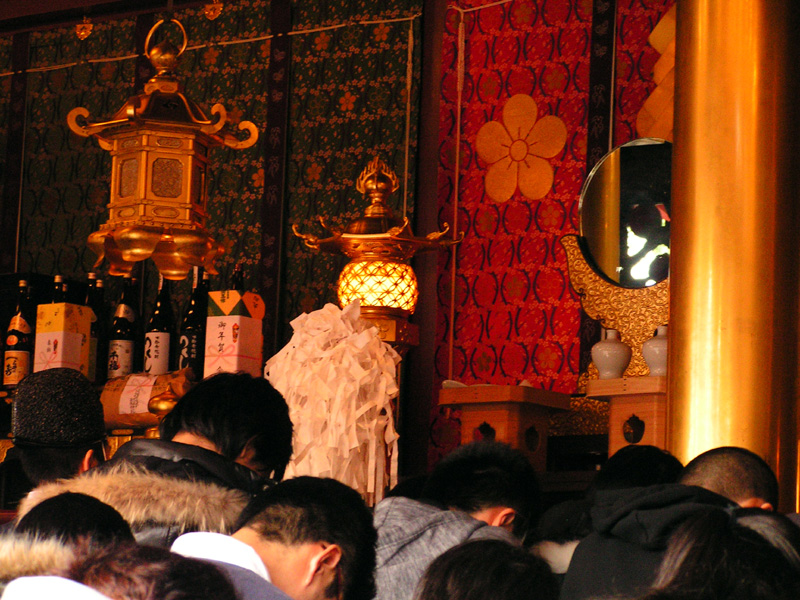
column 57, row 408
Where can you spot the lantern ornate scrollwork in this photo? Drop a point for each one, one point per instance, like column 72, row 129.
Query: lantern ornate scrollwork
column 159, row 143
column 380, row 246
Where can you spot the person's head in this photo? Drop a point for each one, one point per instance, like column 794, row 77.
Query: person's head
column 746, row 553
column 70, row 517
column 242, row 417
column 487, row 569
column 57, row 424
column 637, row 466
column 316, row 538
column 132, row 572
column 735, row 473
column 489, row 480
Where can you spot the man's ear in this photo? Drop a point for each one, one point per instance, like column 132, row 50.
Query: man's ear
column 89, row 461
column 323, row 563
column 504, row 518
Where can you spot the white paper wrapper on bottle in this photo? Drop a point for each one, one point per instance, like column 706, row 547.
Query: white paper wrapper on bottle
column 338, row 378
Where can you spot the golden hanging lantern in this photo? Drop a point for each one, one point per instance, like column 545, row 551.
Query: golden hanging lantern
column 159, row 143
column 380, row 247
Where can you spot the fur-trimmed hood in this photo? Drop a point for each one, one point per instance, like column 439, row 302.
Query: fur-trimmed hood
column 148, row 500
column 22, row 555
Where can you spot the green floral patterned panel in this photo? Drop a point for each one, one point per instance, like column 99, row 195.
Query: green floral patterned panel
column 226, row 63
column 307, row 14
column 348, row 105
column 66, row 177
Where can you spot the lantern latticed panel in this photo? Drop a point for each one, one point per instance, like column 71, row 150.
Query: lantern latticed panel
column 379, row 285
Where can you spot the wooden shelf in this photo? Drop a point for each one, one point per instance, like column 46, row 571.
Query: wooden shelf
column 605, row 389
column 482, row 394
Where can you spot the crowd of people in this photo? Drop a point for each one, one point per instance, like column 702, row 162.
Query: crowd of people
column 203, row 513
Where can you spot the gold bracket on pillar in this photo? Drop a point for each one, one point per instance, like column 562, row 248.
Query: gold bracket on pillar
column 634, row 312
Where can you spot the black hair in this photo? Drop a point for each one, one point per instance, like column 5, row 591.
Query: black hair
column 637, row 466
column 483, row 475
column 42, row 463
column 733, row 554
column 311, row 509
column 234, row 411
column 736, row 473
column 135, row 572
column 72, row 516
column 487, row 569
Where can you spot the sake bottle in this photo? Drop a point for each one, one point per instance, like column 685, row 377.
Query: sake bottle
column 122, row 335
column 17, row 361
column 59, row 290
column 191, row 345
column 158, row 335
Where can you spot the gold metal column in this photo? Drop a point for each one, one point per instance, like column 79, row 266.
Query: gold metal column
column 733, row 325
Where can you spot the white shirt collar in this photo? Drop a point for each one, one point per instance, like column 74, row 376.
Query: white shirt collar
column 220, row 547
column 46, row 586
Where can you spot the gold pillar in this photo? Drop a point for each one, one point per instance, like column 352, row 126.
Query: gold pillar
column 733, row 325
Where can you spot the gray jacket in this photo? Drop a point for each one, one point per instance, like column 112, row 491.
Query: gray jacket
column 412, row 534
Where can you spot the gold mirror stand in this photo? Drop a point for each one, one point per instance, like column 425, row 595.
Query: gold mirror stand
column 634, row 312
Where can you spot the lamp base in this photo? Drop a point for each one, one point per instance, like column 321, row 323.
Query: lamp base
column 398, row 333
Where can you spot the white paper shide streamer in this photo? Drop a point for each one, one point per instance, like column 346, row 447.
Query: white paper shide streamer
column 338, row 378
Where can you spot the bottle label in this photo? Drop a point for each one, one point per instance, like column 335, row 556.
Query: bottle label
column 191, row 353
column 123, row 310
column 156, row 352
column 19, row 323
column 16, row 366
column 120, row 358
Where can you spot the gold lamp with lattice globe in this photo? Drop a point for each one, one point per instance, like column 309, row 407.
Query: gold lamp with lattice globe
column 380, row 246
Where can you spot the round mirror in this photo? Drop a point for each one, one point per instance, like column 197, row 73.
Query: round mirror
column 625, row 213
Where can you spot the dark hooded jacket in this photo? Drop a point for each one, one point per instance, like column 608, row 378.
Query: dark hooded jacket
column 631, row 529
column 163, row 489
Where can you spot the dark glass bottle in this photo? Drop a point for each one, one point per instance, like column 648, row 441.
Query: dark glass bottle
column 122, row 335
column 237, row 280
column 98, row 352
column 17, row 357
column 158, row 335
column 59, row 290
column 191, row 352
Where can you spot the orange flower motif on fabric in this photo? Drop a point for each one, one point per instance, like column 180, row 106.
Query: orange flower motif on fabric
column 516, row 149
column 547, row 359
column 382, row 32
column 322, row 41
column 313, row 172
column 210, row 56
column 347, row 102
column 258, row 178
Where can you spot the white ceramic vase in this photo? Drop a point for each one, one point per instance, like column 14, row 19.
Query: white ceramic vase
column 654, row 352
column 611, row 356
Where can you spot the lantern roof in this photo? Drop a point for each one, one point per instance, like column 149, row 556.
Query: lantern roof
column 163, row 106
column 378, row 233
